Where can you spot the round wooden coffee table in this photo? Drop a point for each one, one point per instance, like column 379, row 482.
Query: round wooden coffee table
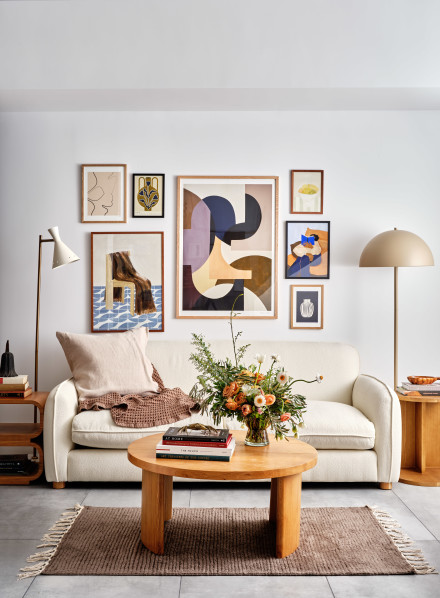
column 281, row 461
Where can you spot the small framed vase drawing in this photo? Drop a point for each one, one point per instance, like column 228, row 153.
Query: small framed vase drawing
column 127, row 281
column 148, row 195
column 104, row 193
column 227, row 246
column 307, row 192
column 308, row 249
column 306, row 306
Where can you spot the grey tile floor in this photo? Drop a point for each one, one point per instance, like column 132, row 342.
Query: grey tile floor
column 27, row 512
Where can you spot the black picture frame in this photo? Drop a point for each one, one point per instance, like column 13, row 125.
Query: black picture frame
column 293, row 231
column 136, row 210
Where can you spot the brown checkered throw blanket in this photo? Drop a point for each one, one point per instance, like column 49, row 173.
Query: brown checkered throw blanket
column 166, row 406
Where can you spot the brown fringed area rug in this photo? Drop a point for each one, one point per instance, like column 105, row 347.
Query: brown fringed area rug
column 334, row 541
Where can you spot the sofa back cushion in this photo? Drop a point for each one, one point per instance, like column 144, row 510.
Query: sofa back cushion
column 337, row 362
column 111, row 362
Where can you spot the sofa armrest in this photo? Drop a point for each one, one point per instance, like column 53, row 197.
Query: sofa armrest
column 61, row 407
column 380, row 404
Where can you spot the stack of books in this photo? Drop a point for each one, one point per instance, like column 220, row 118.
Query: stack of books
column 423, row 390
column 16, row 386
column 204, row 445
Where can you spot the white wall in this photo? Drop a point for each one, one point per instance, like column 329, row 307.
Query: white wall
column 138, row 44
column 381, row 171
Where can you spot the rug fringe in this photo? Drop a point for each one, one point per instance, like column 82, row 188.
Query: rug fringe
column 404, row 544
column 52, row 540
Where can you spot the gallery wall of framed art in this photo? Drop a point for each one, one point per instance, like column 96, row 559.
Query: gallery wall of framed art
column 227, row 236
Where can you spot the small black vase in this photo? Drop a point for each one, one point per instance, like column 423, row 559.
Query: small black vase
column 7, row 368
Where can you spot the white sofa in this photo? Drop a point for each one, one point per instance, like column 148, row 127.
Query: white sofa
column 352, row 420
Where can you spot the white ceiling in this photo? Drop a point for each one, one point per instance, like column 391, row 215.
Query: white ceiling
column 220, row 55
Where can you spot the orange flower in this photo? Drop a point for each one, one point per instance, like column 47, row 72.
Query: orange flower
column 270, row 399
column 232, row 405
column 285, row 416
column 259, row 377
column 230, row 389
column 240, row 398
column 246, row 409
column 246, row 373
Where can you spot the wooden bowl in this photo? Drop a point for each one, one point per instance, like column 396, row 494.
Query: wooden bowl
column 422, row 379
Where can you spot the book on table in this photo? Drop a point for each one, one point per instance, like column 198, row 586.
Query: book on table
column 19, row 394
column 418, row 393
column 219, row 436
column 13, row 387
column 190, row 451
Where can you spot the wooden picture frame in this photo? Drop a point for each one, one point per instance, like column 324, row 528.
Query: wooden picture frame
column 104, row 193
column 227, row 238
column 307, row 249
column 129, row 266
column 306, row 191
column 307, row 306
column 148, row 199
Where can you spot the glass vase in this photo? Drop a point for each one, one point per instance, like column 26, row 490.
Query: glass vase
column 256, row 431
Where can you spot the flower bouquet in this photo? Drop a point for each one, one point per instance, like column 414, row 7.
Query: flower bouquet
column 237, row 390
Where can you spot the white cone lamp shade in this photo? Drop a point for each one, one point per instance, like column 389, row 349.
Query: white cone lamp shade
column 62, row 255
column 396, row 248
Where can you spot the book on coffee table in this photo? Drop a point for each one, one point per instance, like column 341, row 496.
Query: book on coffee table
column 215, row 453
column 219, row 436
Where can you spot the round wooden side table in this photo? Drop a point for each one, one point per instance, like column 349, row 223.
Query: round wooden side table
column 281, row 461
column 420, row 440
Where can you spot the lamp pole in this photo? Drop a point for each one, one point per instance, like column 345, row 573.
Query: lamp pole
column 37, row 326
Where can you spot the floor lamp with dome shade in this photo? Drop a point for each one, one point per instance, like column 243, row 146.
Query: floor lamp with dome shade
column 395, row 249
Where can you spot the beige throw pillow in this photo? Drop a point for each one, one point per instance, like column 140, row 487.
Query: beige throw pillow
column 111, row 362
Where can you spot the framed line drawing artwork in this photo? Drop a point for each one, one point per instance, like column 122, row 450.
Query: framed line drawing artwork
column 307, row 191
column 127, row 281
column 104, row 193
column 306, row 306
column 227, row 246
column 307, row 249
column 148, row 195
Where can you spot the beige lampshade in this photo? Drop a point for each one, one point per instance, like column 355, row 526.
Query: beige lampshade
column 62, row 255
column 396, row 248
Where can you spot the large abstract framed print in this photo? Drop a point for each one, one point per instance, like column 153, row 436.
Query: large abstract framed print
column 104, row 193
column 127, row 281
column 227, row 246
column 308, row 249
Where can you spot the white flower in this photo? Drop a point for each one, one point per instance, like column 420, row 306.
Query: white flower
column 282, row 377
column 246, row 388
column 260, row 357
column 276, row 358
column 260, row 401
column 319, row 378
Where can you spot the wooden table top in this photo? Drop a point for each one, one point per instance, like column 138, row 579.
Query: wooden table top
column 277, row 459
column 415, row 398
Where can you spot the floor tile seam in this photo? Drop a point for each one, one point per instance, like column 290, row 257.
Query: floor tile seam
column 27, row 589
column 416, row 516
column 330, row 586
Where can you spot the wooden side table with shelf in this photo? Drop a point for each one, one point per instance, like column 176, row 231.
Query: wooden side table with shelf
column 24, row 435
column 420, row 440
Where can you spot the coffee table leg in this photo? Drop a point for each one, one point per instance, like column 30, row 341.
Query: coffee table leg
column 168, row 497
column 155, row 489
column 288, row 513
column 273, row 500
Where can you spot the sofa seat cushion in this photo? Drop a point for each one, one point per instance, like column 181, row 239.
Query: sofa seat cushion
column 331, row 425
column 97, row 429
